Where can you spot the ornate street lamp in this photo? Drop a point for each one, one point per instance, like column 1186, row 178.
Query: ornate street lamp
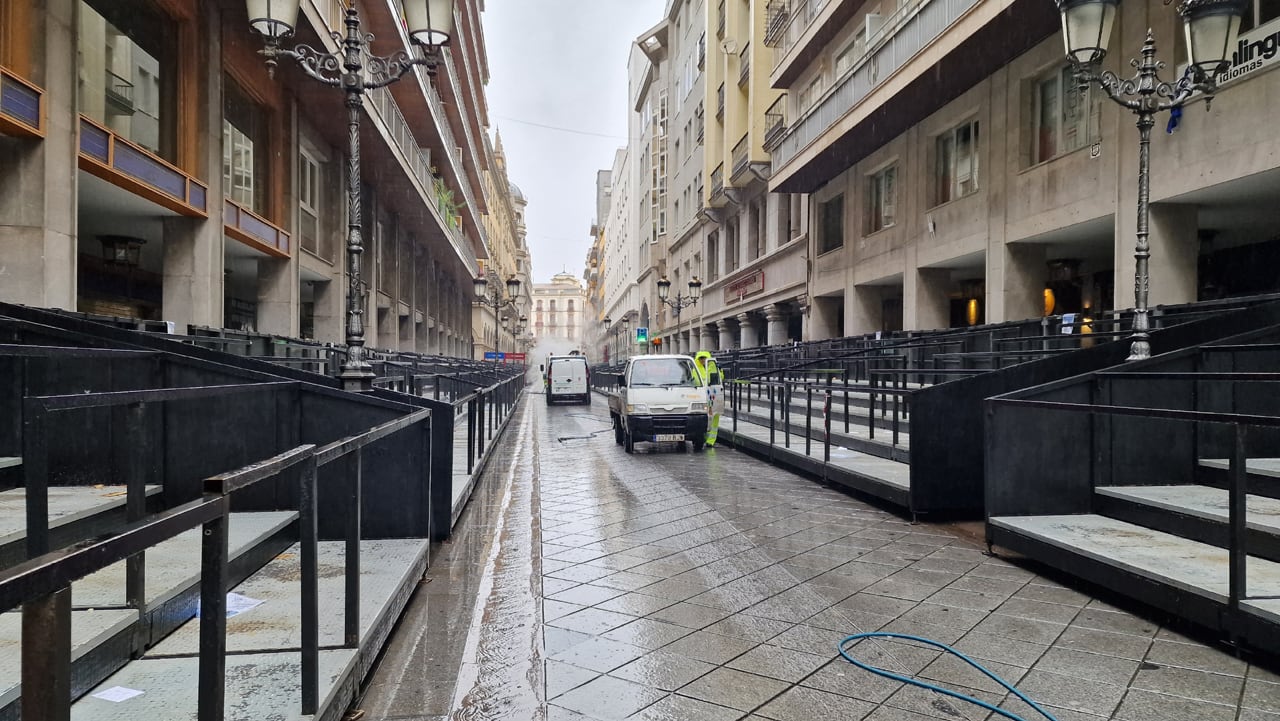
column 121, row 250
column 1211, row 28
column 681, row 301
column 355, row 70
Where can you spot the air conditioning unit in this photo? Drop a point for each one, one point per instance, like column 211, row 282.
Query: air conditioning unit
column 873, row 23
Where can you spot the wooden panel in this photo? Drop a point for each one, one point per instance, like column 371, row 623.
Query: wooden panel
column 15, row 35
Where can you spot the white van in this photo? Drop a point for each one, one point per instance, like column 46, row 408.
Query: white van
column 567, row 377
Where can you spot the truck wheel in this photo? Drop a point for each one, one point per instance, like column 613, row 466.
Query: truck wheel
column 628, row 443
column 617, row 430
column 699, row 444
column 586, row 399
column 548, row 397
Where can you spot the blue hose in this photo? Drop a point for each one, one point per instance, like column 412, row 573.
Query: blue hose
column 939, row 689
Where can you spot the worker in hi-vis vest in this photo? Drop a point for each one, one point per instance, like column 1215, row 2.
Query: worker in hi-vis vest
column 710, row 374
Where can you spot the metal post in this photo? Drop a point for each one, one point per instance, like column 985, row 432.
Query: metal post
column 355, row 503
column 139, row 447
column 213, row 617
column 808, row 418
column 46, row 657
column 357, row 375
column 309, row 537
column 786, row 414
column 1237, row 517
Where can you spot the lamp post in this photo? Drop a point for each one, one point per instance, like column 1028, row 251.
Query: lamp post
column 1211, row 27
column 681, row 301
column 606, row 324
column 626, row 333
column 493, row 299
column 356, row 71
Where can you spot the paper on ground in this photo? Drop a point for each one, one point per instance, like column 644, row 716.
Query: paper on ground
column 237, row 604
column 116, row 694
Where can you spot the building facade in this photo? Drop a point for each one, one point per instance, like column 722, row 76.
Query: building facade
column 560, row 315
column 959, row 176
column 153, row 170
column 504, row 225
column 755, row 290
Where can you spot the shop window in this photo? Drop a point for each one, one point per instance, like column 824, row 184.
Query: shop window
column 882, row 199
column 1259, row 12
column 956, row 171
column 713, row 255
column 310, row 202
column 125, row 73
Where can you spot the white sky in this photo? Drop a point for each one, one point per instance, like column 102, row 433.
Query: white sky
column 561, row 63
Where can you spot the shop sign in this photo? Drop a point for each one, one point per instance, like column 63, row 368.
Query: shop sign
column 746, row 285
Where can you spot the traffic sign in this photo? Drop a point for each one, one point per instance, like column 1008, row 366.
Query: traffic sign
column 490, row 355
column 642, row 335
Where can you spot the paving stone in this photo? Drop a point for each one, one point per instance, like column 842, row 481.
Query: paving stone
column 1262, row 696
column 552, row 610
column 751, row 628
column 1036, row 591
column 1038, row 610
column 735, row 689
column 1115, row 622
column 783, row 664
column 1002, row 649
column 937, row 614
column 1104, row 642
column 1196, row 685
column 712, row 648
column 561, row 677
column 664, row 670
column 635, row 604
column 582, row 573
column 943, row 634
column 1139, row 705
column 1092, row 666
column 843, row 678
column 600, row 654
column 609, row 698
column 935, row 705
column 555, row 640
column 648, row 633
column 1094, row 697
column 799, row 703
column 689, row 615
column 683, row 708
column 591, row 620
column 1021, row 629
column 1202, row 658
column 586, row 595
column 952, row 597
column 559, row 713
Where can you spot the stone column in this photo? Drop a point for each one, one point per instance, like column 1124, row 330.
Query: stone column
column 277, row 297
column 926, row 305
column 750, row 336
column 38, row 205
column 726, row 334
column 776, row 315
column 1175, row 252
column 695, row 339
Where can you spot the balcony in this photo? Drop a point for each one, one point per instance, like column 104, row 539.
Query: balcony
column 777, row 15
column 254, row 231
column 741, row 156
column 744, row 65
column 702, row 52
column 119, row 94
column 121, row 163
column 801, row 15
column 720, row 102
column 717, row 183
column 21, row 107
column 914, row 26
column 720, row 21
column 775, row 123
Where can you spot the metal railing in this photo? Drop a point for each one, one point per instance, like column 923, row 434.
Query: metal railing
column 744, row 65
column 720, row 19
column 720, row 102
column 717, row 182
column 120, row 92
column 777, row 15
column 801, row 16
column 741, row 155
column 775, row 122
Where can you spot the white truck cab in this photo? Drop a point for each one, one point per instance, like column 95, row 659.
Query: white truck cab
column 661, row 399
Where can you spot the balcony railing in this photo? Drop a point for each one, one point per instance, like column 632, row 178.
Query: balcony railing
column 119, row 93
column 741, row 155
column 801, row 16
column 720, row 102
column 120, row 162
column 702, row 52
column 21, row 106
column 905, row 34
column 717, row 182
column 253, row 230
column 775, row 122
column 744, row 65
column 777, row 14
column 720, row 20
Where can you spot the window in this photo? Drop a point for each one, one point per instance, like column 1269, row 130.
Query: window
column 1259, row 12
column 882, row 194
column 244, row 165
column 125, row 79
column 1065, row 118
column 755, row 233
column 810, row 94
column 784, row 219
column 713, row 255
column 851, row 54
column 957, row 163
column 731, row 255
column 831, row 223
column 309, row 184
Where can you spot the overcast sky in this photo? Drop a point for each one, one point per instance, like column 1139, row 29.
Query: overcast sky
column 563, row 64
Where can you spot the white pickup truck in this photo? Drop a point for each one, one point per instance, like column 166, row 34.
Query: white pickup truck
column 661, row 399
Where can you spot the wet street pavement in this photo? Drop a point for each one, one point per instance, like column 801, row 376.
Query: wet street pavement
column 584, row 583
